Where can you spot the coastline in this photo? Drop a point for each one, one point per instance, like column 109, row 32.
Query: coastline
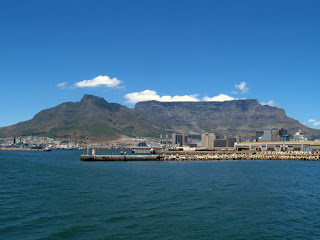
column 23, row 149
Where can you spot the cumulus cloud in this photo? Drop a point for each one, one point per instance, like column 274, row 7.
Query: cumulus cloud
column 270, row 103
column 148, row 95
column 184, row 98
column 313, row 122
column 242, row 87
column 62, row 85
column 99, row 81
column 219, row 98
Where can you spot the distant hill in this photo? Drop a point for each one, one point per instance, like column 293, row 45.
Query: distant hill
column 92, row 116
column 96, row 118
column 237, row 117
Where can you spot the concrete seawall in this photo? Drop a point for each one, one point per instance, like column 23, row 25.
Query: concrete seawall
column 121, row 158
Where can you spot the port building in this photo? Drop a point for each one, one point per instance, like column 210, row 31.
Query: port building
column 307, row 146
column 179, row 140
column 207, row 140
column 211, row 141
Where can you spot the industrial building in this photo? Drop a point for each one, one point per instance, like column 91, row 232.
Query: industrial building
column 306, row 146
column 179, row 140
column 207, row 140
column 211, row 141
column 270, row 135
column 283, row 133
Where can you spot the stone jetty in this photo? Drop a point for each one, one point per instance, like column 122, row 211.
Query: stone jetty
column 289, row 155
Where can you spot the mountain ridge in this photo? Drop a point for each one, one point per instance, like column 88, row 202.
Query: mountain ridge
column 236, row 117
column 96, row 118
column 90, row 117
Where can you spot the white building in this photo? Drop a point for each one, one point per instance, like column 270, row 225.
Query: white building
column 298, row 136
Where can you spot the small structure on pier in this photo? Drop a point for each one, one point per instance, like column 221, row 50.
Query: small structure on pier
column 142, row 148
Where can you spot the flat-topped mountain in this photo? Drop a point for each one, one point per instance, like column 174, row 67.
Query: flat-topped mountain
column 242, row 117
column 92, row 116
column 96, row 118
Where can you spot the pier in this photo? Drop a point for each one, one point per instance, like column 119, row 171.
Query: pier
column 123, row 158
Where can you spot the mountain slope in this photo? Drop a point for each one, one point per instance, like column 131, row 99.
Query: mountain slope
column 241, row 117
column 92, row 116
column 96, row 118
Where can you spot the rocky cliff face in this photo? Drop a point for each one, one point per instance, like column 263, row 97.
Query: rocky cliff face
column 241, row 117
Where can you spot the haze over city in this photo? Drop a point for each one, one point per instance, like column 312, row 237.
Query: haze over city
column 131, row 51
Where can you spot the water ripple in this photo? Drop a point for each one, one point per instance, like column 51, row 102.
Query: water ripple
column 56, row 196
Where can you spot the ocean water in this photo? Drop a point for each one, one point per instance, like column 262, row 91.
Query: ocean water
column 54, row 195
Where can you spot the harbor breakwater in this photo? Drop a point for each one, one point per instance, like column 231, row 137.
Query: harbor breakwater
column 245, row 156
column 293, row 155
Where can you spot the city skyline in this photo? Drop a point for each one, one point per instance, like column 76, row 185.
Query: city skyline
column 126, row 52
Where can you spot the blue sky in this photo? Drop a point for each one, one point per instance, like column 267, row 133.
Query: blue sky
column 130, row 51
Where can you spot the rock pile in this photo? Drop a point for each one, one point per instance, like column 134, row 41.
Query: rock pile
column 291, row 155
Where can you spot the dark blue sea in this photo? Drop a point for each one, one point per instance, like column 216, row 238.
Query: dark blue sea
column 54, row 195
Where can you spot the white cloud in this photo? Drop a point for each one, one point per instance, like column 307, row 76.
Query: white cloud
column 270, row 103
column 219, row 98
column 313, row 122
column 62, row 85
column 184, row 98
column 242, row 87
column 98, row 82
column 148, row 95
